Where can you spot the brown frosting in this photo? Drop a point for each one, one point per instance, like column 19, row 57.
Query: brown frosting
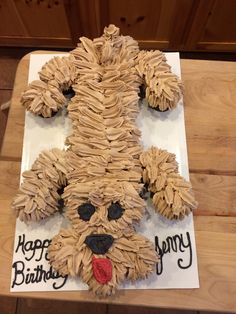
column 38, row 195
column 62, row 70
column 132, row 257
column 173, row 197
column 102, row 194
column 104, row 164
column 163, row 88
column 45, row 96
column 42, row 98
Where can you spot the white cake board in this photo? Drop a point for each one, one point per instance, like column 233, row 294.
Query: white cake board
column 176, row 240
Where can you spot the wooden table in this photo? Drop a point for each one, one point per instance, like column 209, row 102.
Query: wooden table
column 210, row 112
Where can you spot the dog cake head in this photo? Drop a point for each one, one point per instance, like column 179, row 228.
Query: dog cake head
column 103, row 246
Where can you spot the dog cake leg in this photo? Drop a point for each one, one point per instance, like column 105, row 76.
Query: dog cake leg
column 172, row 194
column 45, row 97
column 40, row 193
column 163, row 89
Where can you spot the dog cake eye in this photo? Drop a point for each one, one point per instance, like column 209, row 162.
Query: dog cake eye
column 86, row 211
column 115, row 211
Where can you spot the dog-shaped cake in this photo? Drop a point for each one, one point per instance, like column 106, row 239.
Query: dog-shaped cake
column 100, row 178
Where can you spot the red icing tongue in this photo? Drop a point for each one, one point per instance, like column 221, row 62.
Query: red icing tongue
column 102, row 269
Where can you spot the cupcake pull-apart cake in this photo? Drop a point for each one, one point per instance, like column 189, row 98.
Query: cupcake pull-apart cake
column 100, row 177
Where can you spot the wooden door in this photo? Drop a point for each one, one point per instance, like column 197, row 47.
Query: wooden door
column 154, row 23
column 213, row 27
column 34, row 23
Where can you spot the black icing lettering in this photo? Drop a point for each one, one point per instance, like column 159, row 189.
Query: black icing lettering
column 171, row 243
column 174, row 244
column 159, row 265
column 43, row 248
column 21, row 242
column 30, row 248
column 61, row 285
column 34, row 249
column 187, row 246
column 26, row 276
column 19, row 276
column 29, row 278
column 178, row 239
column 46, row 257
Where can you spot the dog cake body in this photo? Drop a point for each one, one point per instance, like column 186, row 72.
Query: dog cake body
column 101, row 175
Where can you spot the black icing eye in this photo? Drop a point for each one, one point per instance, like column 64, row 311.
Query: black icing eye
column 86, row 211
column 115, row 211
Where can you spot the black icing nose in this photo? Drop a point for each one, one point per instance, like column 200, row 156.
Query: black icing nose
column 99, row 243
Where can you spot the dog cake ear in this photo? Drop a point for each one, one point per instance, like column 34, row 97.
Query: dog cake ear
column 45, row 97
column 172, row 194
column 162, row 88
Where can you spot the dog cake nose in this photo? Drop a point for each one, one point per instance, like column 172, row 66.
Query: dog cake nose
column 99, row 243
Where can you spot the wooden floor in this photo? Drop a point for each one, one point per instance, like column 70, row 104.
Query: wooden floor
column 9, row 58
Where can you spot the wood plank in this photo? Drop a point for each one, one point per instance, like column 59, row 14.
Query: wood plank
column 8, row 69
column 5, row 95
column 7, row 231
column 120, row 309
column 8, row 186
column 210, row 97
column 215, row 194
column 32, row 306
column 9, row 183
column 13, row 139
column 8, row 305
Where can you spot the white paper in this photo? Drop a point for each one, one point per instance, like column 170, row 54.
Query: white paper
column 164, row 130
